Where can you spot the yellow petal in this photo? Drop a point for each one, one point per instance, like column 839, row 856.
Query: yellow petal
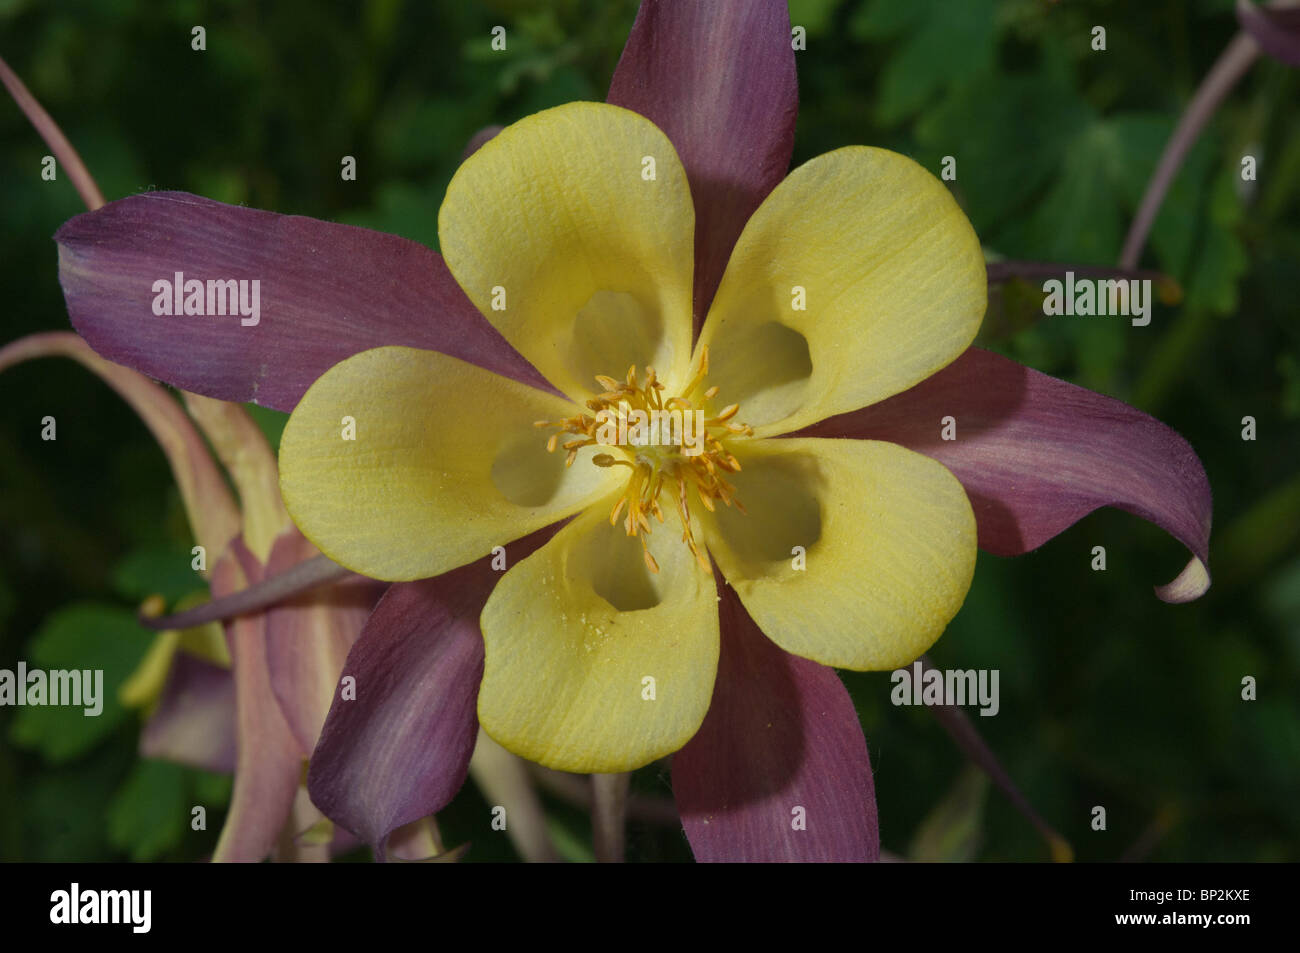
column 888, row 541
column 145, row 685
column 206, row 641
column 890, row 276
column 444, row 463
column 595, row 664
column 573, row 232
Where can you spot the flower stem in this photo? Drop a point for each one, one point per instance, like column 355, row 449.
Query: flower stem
column 418, row 840
column 608, row 815
column 574, row 788
column 1227, row 70
column 968, row 739
column 308, row 575
column 504, row 780
column 1165, row 820
column 54, row 138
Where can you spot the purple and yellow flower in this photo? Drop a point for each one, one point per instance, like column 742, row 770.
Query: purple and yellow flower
column 647, row 254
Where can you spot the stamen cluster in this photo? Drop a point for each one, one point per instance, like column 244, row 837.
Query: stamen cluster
column 658, row 468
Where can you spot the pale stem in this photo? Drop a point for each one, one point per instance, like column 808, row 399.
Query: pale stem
column 49, row 130
column 418, row 840
column 608, row 815
column 575, row 789
column 505, row 782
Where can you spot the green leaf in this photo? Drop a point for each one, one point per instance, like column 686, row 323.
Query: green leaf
column 1009, row 136
column 813, row 15
column 1079, row 218
column 418, row 134
column 1221, row 259
column 149, row 814
column 951, row 832
column 211, row 789
column 1194, row 236
column 86, row 636
column 158, row 569
column 1288, row 369
column 404, row 210
column 569, row 843
column 271, row 423
column 948, row 44
column 1142, row 138
column 62, row 809
column 882, row 20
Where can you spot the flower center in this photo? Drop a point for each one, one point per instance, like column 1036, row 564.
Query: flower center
column 669, row 445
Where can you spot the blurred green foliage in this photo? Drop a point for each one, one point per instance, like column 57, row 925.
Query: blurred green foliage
column 1109, row 697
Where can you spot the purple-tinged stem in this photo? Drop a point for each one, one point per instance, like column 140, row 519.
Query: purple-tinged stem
column 54, row 138
column 303, row 577
column 1164, row 821
column 575, row 789
column 1230, row 67
column 608, row 815
column 958, row 725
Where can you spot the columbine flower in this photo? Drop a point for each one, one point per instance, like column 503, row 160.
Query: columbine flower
column 601, row 244
column 602, row 646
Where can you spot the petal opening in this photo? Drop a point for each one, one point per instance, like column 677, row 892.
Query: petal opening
column 858, row 276
column 573, row 632
column 1037, row 454
column 402, row 464
column 571, row 219
column 886, row 552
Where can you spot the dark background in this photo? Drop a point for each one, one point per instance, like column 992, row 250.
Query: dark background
column 1109, row 697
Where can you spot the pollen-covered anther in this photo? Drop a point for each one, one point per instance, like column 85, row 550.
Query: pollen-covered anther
column 670, row 446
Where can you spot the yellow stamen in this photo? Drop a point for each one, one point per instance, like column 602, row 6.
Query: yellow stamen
column 658, row 467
